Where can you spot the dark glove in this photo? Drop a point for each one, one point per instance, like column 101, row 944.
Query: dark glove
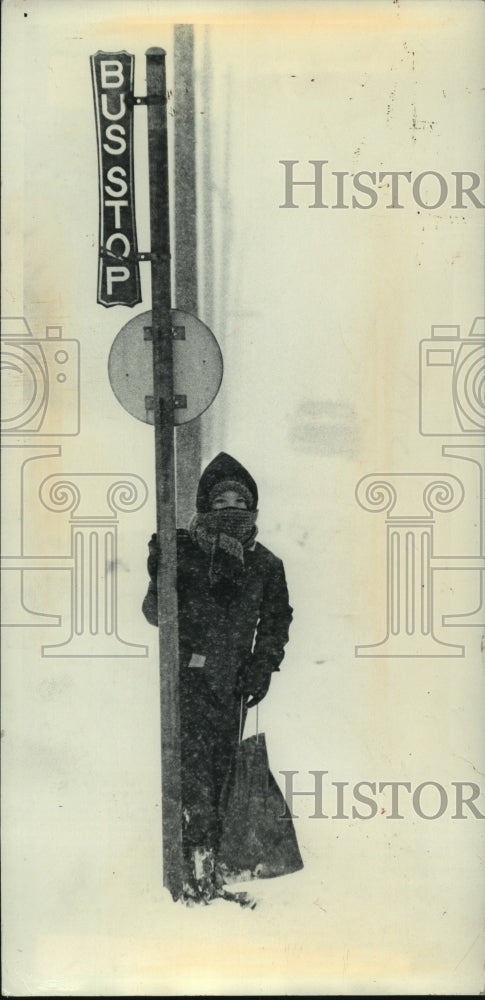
column 253, row 682
column 153, row 557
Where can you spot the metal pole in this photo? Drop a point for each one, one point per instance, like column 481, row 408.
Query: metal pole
column 164, row 469
column 188, row 435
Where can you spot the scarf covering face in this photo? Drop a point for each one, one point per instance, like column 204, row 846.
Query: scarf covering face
column 225, row 535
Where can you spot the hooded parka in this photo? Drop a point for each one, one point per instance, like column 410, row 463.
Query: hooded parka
column 223, row 626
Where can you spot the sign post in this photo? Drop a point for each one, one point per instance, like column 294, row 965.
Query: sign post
column 163, row 406
column 165, row 365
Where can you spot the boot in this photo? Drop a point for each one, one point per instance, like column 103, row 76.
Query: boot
column 203, row 861
column 205, row 882
column 198, row 886
column 219, row 879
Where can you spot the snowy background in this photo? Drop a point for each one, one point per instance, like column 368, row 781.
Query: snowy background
column 319, row 314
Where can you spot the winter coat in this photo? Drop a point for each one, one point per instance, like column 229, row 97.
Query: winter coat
column 227, row 623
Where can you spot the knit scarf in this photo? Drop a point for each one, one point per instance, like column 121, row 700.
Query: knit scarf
column 225, row 535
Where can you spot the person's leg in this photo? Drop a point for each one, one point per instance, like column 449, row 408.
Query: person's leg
column 227, row 738
column 197, row 738
column 210, row 734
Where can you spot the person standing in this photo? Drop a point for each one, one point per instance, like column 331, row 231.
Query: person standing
column 234, row 617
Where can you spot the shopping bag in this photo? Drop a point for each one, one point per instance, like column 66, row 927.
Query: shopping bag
column 258, row 837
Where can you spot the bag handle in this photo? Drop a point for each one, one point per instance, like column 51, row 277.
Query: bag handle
column 241, row 723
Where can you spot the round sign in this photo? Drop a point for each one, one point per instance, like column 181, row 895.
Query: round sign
column 197, row 367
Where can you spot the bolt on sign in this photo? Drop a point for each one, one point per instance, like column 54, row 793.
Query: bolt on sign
column 118, row 269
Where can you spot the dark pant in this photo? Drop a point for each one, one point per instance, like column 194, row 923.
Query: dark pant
column 209, row 736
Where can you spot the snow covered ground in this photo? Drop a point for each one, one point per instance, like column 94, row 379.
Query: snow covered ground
column 319, row 313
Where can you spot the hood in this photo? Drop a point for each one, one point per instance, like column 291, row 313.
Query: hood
column 227, row 470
